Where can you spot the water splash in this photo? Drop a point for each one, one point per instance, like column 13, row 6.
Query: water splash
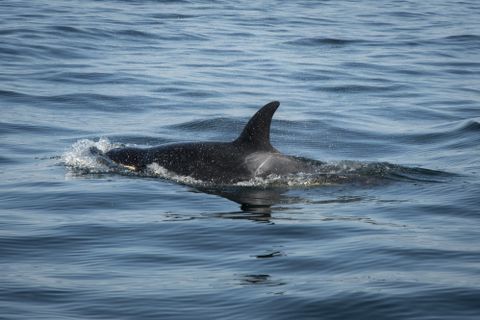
column 81, row 157
column 87, row 156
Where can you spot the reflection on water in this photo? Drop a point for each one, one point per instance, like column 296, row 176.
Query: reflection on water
column 270, row 255
column 251, row 199
column 261, row 279
column 263, row 217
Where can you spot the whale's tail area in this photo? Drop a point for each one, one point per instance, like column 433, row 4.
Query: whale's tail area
column 256, row 133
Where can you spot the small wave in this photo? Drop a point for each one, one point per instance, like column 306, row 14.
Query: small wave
column 463, row 38
column 447, row 132
column 320, row 41
column 155, row 2
column 204, row 125
column 4, row 160
column 26, row 128
column 10, row 53
column 463, row 41
column 408, row 14
column 80, row 98
column 470, row 126
column 93, row 33
column 140, row 35
column 83, row 77
column 136, row 34
column 360, row 88
column 53, row 52
column 68, row 30
column 83, row 101
column 13, row 94
column 169, row 16
column 16, row 31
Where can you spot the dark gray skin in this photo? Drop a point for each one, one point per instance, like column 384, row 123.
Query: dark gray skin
column 250, row 155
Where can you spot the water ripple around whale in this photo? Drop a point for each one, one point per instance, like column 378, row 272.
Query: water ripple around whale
column 81, row 159
column 379, row 91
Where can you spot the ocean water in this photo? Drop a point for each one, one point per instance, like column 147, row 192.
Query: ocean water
column 385, row 93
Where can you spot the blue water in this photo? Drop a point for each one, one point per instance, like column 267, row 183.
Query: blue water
column 363, row 84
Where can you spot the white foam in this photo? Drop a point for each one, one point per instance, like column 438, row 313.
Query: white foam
column 79, row 156
column 154, row 169
column 293, row 180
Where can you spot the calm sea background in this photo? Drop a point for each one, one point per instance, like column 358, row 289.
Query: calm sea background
column 369, row 81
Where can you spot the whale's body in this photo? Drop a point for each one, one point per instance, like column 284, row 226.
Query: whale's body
column 250, row 155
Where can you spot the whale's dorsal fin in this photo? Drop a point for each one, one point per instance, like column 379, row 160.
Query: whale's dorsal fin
column 256, row 133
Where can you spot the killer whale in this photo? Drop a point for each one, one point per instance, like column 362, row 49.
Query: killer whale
column 250, row 155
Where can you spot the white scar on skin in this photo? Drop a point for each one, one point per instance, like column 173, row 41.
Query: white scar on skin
column 261, row 165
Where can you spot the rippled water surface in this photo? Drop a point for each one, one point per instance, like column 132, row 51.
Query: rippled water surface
column 385, row 94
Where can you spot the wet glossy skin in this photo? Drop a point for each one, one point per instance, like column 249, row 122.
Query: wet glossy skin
column 251, row 155
column 219, row 162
